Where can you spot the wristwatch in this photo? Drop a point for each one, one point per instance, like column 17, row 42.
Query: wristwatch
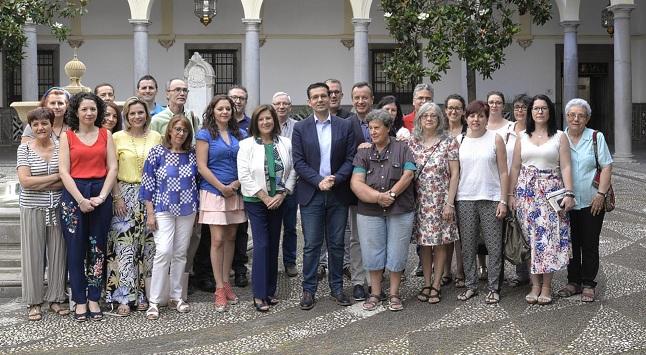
column 392, row 194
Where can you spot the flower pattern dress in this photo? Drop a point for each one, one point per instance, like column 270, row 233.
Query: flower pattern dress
column 547, row 232
column 431, row 189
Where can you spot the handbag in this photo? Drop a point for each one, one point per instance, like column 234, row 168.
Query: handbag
column 609, row 201
column 516, row 249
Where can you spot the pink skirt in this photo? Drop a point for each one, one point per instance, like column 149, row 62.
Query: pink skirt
column 217, row 210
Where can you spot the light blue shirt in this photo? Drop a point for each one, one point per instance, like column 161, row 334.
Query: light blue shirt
column 324, row 133
column 584, row 166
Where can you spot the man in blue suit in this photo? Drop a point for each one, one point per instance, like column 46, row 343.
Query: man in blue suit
column 323, row 148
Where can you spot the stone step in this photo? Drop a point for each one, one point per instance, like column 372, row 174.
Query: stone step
column 10, row 256
column 10, row 276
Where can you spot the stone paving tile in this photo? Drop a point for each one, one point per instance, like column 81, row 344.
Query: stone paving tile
column 507, row 340
column 627, row 335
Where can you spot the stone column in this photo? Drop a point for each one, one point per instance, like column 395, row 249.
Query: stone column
column 252, row 62
column 570, row 63
column 361, row 53
column 140, row 40
column 29, row 64
column 623, row 84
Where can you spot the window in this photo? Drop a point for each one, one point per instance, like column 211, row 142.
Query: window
column 47, row 66
column 380, row 83
column 225, row 60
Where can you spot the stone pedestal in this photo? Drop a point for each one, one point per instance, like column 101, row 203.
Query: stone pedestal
column 29, row 64
column 200, row 78
column 140, row 41
column 361, row 53
column 252, row 62
column 623, row 84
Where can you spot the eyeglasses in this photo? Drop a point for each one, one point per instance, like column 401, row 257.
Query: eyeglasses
column 520, row 108
column 179, row 90
column 180, row 130
column 580, row 116
column 453, row 108
column 539, row 109
column 281, row 104
column 495, row 103
column 334, row 92
column 429, row 115
column 238, row 98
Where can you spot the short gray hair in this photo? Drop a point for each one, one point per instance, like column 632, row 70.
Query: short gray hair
column 423, row 86
column 434, row 108
column 279, row 94
column 380, row 115
column 580, row 103
column 169, row 82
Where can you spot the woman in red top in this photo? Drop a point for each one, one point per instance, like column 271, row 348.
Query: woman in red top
column 88, row 169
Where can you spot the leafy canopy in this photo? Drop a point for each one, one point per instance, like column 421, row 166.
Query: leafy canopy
column 478, row 31
column 15, row 13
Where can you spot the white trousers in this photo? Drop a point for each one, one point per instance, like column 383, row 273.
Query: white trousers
column 172, row 238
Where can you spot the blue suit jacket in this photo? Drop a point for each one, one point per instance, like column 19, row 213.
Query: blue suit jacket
column 307, row 159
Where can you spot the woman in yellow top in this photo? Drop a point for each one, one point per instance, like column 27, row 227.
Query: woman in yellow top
column 131, row 247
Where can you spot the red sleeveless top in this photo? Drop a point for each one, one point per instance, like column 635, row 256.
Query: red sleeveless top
column 88, row 161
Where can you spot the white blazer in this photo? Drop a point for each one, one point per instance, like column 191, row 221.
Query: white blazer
column 251, row 166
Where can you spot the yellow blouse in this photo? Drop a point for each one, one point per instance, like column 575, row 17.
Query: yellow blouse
column 132, row 153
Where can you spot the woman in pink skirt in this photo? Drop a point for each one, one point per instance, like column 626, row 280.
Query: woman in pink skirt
column 221, row 207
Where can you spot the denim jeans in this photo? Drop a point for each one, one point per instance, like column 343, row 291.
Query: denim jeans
column 385, row 240
column 324, row 219
column 290, row 206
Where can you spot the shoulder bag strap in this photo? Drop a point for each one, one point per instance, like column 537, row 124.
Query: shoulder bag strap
column 595, row 149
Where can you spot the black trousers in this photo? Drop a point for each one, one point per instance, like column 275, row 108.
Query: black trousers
column 240, row 257
column 202, row 269
column 585, row 229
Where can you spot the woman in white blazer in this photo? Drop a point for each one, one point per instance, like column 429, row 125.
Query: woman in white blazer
column 266, row 175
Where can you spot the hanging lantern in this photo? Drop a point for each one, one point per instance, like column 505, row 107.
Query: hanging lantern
column 607, row 20
column 205, row 10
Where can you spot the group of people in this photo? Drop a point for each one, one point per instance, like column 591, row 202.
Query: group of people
column 115, row 199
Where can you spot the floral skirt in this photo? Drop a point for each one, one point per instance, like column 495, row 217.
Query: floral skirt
column 131, row 249
column 547, row 232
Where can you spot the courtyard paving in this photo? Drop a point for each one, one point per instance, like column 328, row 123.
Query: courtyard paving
column 614, row 323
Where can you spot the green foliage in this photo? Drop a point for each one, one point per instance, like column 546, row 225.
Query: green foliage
column 478, row 31
column 15, row 13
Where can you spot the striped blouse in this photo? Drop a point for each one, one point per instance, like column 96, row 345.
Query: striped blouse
column 36, row 198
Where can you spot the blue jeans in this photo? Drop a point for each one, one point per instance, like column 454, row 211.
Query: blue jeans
column 323, row 219
column 290, row 206
column 385, row 240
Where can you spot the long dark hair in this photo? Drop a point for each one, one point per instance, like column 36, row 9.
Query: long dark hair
column 209, row 118
column 73, row 106
column 551, row 121
column 117, row 126
column 399, row 118
column 464, row 108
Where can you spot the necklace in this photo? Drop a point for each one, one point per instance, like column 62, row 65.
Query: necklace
column 58, row 136
column 140, row 156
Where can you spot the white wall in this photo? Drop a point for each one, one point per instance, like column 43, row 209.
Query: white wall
column 303, row 45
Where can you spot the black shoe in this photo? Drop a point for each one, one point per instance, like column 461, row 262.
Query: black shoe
column 321, row 273
column 382, row 294
column 307, row 301
column 291, row 271
column 358, row 293
column 341, row 299
column 241, row 280
column 206, row 285
column 419, row 272
column 346, row 272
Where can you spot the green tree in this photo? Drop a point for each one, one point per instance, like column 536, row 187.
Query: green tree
column 478, row 31
column 15, row 13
